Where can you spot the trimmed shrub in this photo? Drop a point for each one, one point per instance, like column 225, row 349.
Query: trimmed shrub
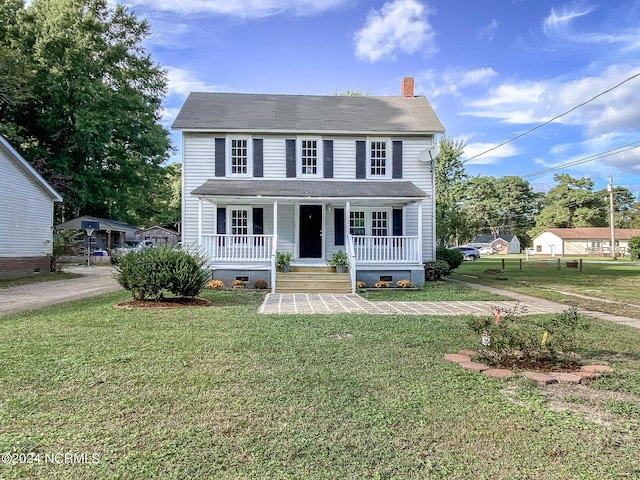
column 150, row 272
column 453, row 257
column 436, row 270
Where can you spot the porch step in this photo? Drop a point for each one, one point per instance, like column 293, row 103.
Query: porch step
column 312, row 281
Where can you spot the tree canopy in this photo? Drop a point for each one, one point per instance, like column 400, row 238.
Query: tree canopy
column 83, row 106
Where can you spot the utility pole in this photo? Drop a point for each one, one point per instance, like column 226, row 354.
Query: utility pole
column 612, row 219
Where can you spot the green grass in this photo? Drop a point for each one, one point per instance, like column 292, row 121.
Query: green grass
column 431, row 292
column 223, row 392
column 609, row 286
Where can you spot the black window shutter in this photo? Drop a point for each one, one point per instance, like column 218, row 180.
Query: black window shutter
column 338, row 216
column 258, row 221
column 222, row 220
column 361, row 159
column 396, row 170
column 291, row 159
column 397, row 222
column 258, row 167
column 327, row 158
column 220, row 157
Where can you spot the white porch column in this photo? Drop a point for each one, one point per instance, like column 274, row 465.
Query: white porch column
column 420, row 231
column 200, row 222
column 274, row 246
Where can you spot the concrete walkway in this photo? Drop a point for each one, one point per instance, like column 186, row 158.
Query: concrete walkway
column 326, row 303
column 93, row 281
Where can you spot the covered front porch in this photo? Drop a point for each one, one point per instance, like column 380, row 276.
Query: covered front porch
column 379, row 229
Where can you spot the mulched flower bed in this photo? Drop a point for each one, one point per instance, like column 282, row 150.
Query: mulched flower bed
column 169, row 302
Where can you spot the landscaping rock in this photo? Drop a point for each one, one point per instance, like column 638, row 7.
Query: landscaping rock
column 564, row 377
column 540, row 378
column 498, row 373
column 468, row 353
column 474, row 366
column 457, row 358
column 596, row 368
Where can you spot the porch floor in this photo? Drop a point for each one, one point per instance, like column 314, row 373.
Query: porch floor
column 291, row 303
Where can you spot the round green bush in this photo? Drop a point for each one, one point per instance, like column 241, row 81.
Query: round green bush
column 453, row 257
column 151, row 272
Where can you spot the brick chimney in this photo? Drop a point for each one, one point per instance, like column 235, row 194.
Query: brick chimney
column 407, row 87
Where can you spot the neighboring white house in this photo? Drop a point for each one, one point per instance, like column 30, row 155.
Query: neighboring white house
column 503, row 243
column 310, row 175
column 582, row 241
column 26, row 216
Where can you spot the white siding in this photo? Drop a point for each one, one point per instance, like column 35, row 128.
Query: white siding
column 199, row 166
column 26, row 213
column 549, row 243
column 344, row 158
column 274, row 157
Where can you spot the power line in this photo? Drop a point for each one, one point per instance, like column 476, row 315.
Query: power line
column 590, row 158
column 554, row 118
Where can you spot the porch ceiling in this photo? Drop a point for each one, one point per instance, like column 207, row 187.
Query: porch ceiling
column 309, row 189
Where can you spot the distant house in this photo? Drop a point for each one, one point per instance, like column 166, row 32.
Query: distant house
column 159, row 235
column 503, row 243
column 26, row 216
column 583, row 241
column 108, row 235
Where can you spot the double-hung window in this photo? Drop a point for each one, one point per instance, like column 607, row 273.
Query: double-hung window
column 239, row 221
column 239, row 156
column 369, row 222
column 379, row 154
column 309, row 157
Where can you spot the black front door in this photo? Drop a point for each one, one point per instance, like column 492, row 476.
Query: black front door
column 310, row 231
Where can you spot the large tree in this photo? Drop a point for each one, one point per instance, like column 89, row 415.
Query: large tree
column 452, row 224
column 91, row 122
column 571, row 203
column 503, row 205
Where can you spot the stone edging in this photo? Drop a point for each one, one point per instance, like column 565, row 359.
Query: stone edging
column 463, row 358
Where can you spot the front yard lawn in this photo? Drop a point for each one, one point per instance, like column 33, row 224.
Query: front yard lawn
column 610, row 287
column 223, row 392
column 439, row 291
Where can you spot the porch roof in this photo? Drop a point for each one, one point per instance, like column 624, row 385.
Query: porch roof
column 318, row 189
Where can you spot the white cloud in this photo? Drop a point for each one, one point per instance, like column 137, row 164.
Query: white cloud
column 489, row 31
column 536, row 102
column 240, row 8
column 491, row 158
column 557, row 21
column 400, row 26
column 433, row 85
column 182, row 82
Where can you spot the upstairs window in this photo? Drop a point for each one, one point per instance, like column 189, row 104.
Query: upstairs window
column 309, row 157
column 239, row 157
column 379, row 165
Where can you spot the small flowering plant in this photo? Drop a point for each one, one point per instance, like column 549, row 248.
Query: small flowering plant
column 382, row 284
column 215, row 285
column 237, row 284
column 360, row 284
column 404, row 284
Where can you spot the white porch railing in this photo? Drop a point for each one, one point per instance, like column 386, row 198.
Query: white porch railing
column 238, row 248
column 372, row 250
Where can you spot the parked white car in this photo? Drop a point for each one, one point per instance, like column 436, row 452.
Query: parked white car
column 486, row 250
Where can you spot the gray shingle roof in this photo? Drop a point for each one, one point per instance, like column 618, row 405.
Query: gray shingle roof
column 228, row 112
column 308, row 189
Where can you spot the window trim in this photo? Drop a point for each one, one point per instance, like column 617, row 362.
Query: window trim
column 388, row 157
column 319, row 157
column 229, row 149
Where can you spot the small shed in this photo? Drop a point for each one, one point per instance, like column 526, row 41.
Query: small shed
column 159, row 235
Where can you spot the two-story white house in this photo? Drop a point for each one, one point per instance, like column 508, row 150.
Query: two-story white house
column 309, row 175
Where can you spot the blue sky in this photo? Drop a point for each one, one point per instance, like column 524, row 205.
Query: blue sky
column 492, row 69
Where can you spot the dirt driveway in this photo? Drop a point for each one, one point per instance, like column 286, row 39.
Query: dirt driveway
column 93, row 281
